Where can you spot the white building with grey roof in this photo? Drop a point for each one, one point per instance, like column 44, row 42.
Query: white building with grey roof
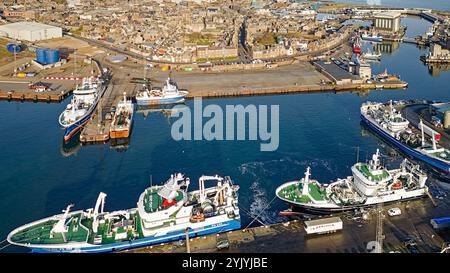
column 30, row 31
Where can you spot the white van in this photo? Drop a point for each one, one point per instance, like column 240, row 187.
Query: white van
column 394, row 212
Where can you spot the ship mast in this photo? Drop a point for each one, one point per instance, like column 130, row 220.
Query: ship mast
column 305, row 189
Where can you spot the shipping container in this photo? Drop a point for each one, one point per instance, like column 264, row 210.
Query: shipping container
column 324, row 225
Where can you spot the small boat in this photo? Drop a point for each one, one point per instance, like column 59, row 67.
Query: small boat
column 169, row 94
column 372, row 37
column 357, row 46
column 369, row 55
column 123, row 117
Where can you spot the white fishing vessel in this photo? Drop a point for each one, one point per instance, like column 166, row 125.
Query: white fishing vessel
column 164, row 213
column 369, row 55
column 371, row 183
column 85, row 98
column 388, row 123
column 169, row 94
column 372, row 37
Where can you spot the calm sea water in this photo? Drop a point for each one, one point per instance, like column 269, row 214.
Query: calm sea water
column 318, row 130
column 430, row 4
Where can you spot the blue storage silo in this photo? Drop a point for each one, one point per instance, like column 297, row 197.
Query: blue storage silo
column 52, row 56
column 14, row 48
column 40, row 56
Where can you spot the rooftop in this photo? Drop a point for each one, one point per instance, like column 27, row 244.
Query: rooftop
column 388, row 15
column 29, row 26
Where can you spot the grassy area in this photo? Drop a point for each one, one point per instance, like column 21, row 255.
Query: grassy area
column 6, row 56
column 200, row 39
column 267, row 38
column 77, row 31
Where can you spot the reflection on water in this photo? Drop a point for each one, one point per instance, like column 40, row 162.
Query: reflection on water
column 120, row 144
column 386, row 47
column 72, row 146
column 435, row 70
column 166, row 110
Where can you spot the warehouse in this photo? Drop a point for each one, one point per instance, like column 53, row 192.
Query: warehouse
column 30, row 31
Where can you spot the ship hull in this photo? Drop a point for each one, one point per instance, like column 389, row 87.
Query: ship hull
column 441, row 166
column 318, row 210
column 122, row 133
column 119, row 134
column 372, row 39
column 157, row 101
column 175, row 236
column 77, row 125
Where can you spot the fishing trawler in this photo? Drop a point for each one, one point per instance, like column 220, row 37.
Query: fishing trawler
column 169, row 94
column 356, row 47
column 422, row 144
column 369, row 55
column 372, row 37
column 371, row 183
column 85, row 98
column 164, row 213
column 122, row 119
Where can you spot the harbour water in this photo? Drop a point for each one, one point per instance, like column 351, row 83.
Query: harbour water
column 432, row 4
column 318, row 130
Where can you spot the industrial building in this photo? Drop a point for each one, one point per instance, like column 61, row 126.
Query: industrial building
column 30, row 31
column 387, row 21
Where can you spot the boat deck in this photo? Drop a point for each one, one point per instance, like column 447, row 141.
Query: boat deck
column 154, row 202
column 40, row 233
column 294, row 193
column 373, row 177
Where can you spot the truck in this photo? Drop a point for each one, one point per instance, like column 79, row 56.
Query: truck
column 324, row 225
column 442, row 222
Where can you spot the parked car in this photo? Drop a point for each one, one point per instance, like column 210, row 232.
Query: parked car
column 394, row 212
column 222, row 244
column 411, row 245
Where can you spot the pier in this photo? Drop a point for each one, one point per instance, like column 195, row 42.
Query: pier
column 34, row 96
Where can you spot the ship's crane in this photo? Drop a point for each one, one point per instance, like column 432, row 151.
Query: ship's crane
column 100, row 202
column 60, row 226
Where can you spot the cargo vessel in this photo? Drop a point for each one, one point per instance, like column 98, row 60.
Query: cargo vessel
column 385, row 120
column 169, row 94
column 122, row 119
column 85, row 98
column 164, row 213
column 371, row 183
